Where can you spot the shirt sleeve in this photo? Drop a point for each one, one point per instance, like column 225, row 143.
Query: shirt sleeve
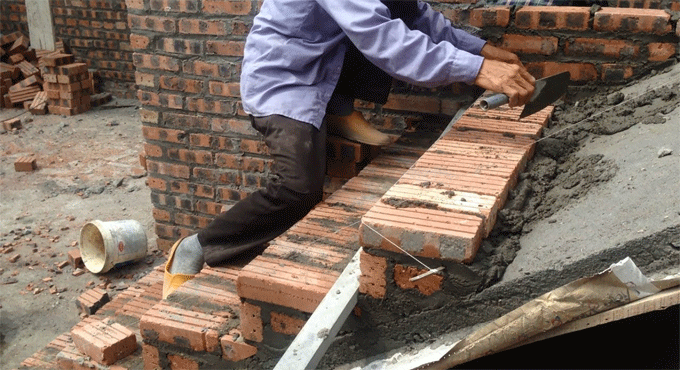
column 440, row 29
column 408, row 55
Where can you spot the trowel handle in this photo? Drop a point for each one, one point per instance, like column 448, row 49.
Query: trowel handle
column 493, row 101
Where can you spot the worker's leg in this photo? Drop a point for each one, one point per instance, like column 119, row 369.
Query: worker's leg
column 296, row 186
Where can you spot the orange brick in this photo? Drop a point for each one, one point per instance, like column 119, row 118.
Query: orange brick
column 92, row 300
column 150, row 357
column 578, row 71
column 75, row 259
column 552, row 17
column 105, row 341
column 529, row 44
column 284, row 324
column 616, row 72
column 251, row 322
column 372, row 280
column 427, row 285
column 179, row 362
column 658, row 51
column 610, row 48
column 633, row 20
column 234, row 348
column 285, row 283
column 25, row 164
column 496, row 16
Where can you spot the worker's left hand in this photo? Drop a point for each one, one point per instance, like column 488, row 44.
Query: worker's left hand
column 492, row 52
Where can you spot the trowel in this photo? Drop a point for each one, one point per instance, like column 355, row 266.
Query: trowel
column 547, row 91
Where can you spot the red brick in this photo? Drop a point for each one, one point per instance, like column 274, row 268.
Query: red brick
column 610, row 48
column 203, row 27
column 232, row 125
column 75, row 259
column 633, row 20
column 421, row 231
column 226, row 48
column 251, row 322
column 658, row 51
column 186, row 85
column 25, row 164
column 427, row 285
column 552, row 17
column 234, row 348
column 145, row 79
column 175, row 170
column 12, row 124
column 579, row 71
column 161, row 215
column 529, row 44
column 179, row 362
column 165, row 25
column 227, row 7
column 423, row 104
column 105, row 341
column 372, row 280
column 285, row 283
column 92, row 300
column 186, row 328
column 139, row 42
column 181, row 46
column 183, row 6
column 498, row 16
column 217, row 106
column 161, row 100
column 164, row 134
column 151, row 357
column 284, row 324
column 616, row 72
column 152, row 61
column 230, row 89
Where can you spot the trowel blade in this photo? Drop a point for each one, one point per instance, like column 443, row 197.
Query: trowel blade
column 547, row 91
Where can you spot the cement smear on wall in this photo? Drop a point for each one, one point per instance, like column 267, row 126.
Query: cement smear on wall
column 602, row 186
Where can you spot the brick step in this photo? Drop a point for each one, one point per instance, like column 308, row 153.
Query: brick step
column 447, row 202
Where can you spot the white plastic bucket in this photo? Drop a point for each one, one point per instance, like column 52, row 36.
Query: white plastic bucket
column 107, row 245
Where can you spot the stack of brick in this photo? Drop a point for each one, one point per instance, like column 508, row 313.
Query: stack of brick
column 68, row 85
column 18, row 71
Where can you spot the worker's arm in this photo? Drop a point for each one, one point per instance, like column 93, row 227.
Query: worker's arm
column 408, row 55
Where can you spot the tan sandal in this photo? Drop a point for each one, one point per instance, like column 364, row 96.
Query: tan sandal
column 173, row 281
column 355, row 127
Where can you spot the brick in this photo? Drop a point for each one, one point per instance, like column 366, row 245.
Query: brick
column 225, row 48
column 284, row 324
column 251, row 322
column 139, row 42
column 180, row 46
column 230, row 89
column 372, row 280
column 105, row 341
column 203, row 27
column 423, row 104
column 12, row 124
column 529, row 44
column 427, row 285
column 164, row 134
column 150, row 357
column 180, row 362
column 616, row 72
column 552, row 17
column 490, row 17
column 25, row 164
column 658, row 51
column 75, row 259
column 186, row 85
column 234, row 348
column 58, row 59
column 92, row 300
column 633, row 20
column 285, row 283
column 150, row 61
column 164, row 25
column 579, row 71
column 221, row 7
column 610, row 48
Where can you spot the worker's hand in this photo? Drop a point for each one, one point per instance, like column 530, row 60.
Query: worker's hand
column 492, row 52
column 512, row 80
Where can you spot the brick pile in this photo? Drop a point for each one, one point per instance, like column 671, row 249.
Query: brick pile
column 68, row 85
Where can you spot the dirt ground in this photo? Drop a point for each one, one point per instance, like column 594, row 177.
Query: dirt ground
column 88, row 169
column 614, row 179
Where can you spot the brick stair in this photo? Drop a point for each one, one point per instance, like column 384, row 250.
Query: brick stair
column 447, row 202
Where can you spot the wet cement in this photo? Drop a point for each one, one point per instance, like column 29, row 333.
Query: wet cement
column 601, row 187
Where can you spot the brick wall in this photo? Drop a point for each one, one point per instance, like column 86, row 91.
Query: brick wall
column 201, row 151
column 96, row 31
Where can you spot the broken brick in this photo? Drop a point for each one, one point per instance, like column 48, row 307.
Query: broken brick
column 105, row 341
column 12, row 124
column 75, row 259
column 92, row 300
column 234, row 348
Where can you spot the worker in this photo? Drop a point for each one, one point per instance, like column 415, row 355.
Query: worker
column 305, row 61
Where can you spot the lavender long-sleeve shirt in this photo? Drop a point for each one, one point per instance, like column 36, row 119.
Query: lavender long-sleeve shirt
column 295, row 50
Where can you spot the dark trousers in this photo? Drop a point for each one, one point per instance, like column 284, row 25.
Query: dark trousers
column 299, row 153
